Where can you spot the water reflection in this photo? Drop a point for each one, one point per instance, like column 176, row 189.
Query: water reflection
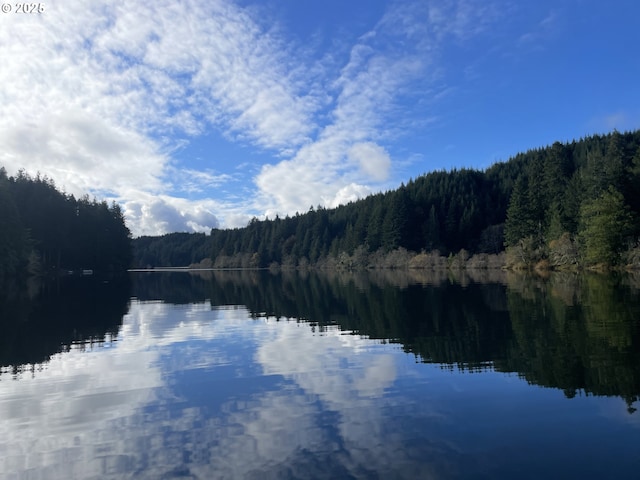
column 50, row 317
column 254, row 375
column 580, row 334
column 191, row 391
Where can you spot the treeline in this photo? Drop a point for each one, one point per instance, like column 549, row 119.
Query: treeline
column 172, row 249
column 567, row 205
column 45, row 230
column 444, row 211
column 577, row 205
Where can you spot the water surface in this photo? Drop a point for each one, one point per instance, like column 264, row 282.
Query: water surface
column 259, row 375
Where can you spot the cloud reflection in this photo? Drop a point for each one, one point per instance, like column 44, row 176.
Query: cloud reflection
column 197, row 392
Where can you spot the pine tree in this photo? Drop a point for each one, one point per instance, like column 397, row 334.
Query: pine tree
column 606, row 224
column 520, row 217
column 14, row 248
column 432, row 234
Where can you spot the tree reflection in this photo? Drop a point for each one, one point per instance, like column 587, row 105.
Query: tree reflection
column 577, row 335
column 570, row 332
column 50, row 317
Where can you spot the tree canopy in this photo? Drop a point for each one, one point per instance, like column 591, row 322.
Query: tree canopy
column 46, row 230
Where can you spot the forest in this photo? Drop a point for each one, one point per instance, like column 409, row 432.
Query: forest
column 565, row 206
column 46, row 231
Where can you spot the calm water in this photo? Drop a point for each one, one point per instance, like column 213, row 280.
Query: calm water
column 257, row 375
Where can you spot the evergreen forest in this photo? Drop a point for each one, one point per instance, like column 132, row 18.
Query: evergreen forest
column 564, row 206
column 46, row 231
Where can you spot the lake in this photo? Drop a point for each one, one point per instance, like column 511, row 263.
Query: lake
column 252, row 374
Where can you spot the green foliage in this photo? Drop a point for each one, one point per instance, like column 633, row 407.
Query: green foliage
column 13, row 236
column 520, row 221
column 44, row 227
column 172, row 249
column 589, row 189
column 606, row 225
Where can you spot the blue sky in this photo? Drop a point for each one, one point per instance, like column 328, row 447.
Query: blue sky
column 201, row 114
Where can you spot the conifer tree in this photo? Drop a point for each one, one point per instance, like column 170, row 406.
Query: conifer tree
column 520, row 222
column 605, row 225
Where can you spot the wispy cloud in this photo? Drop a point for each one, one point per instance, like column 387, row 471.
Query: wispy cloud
column 621, row 120
column 93, row 93
column 347, row 159
column 196, row 181
column 99, row 95
column 537, row 37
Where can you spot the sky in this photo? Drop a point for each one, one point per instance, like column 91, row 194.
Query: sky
column 203, row 114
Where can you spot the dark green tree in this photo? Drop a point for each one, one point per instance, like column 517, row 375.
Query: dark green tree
column 520, row 222
column 606, row 224
column 14, row 238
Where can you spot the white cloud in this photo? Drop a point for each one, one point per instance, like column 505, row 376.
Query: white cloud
column 346, row 159
column 372, row 159
column 196, row 181
column 83, row 152
column 349, row 193
column 91, row 93
column 462, row 19
column 97, row 96
column 158, row 214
